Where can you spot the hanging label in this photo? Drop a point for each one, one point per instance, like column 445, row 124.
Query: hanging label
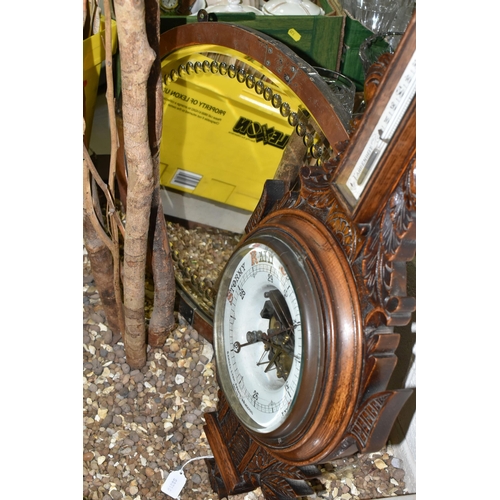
column 174, row 483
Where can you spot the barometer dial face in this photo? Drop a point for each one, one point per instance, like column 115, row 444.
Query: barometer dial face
column 287, row 335
column 260, row 348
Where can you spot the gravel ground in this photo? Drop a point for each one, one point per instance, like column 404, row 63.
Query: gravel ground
column 140, row 424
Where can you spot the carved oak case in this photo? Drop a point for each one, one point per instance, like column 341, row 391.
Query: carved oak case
column 344, row 254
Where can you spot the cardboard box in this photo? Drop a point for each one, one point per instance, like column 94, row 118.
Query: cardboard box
column 220, row 139
column 316, row 39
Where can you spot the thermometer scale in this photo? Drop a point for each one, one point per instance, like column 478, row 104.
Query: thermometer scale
column 384, row 130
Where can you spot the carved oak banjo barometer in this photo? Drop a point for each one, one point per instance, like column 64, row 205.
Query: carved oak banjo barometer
column 306, row 306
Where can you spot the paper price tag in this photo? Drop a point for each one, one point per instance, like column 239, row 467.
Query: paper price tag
column 174, row 483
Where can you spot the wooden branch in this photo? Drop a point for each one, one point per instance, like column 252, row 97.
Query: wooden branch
column 104, row 187
column 100, row 248
column 101, row 262
column 115, row 221
column 88, row 206
column 84, row 12
column 162, row 320
column 136, row 59
column 110, row 97
column 104, row 254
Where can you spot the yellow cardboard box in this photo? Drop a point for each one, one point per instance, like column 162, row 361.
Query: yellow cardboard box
column 221, row 140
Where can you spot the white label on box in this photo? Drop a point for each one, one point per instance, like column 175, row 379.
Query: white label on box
column 185, row 179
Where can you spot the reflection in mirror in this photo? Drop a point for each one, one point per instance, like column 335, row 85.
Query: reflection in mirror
column 227, row 122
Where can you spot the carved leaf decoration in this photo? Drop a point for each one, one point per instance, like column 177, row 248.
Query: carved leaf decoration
column 402, row 217
column 288, row 201
column 255, row 218
column 276, row 488
column 366, row 418
column 235, row 436
column 343, row 232
column 317, row 198
column 277, row 479
column 383, row 241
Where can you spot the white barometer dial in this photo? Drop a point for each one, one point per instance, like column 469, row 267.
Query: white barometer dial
column 285, row 323
column 260, row 339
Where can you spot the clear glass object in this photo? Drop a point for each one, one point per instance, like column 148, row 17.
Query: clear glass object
column 403, row 16
column 376, row 45
column 376, row 15
column 341, row 86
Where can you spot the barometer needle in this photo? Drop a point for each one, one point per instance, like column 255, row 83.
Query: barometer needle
column 259, row 336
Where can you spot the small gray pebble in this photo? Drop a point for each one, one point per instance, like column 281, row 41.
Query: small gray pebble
column 103, row 352
column 107, row 336
column 96, row 317
column 98, row 369
column 177, row 437
column 196, row 478
column 125, row 368
column 195, row 433
column 107, row 420
column 116, row 495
